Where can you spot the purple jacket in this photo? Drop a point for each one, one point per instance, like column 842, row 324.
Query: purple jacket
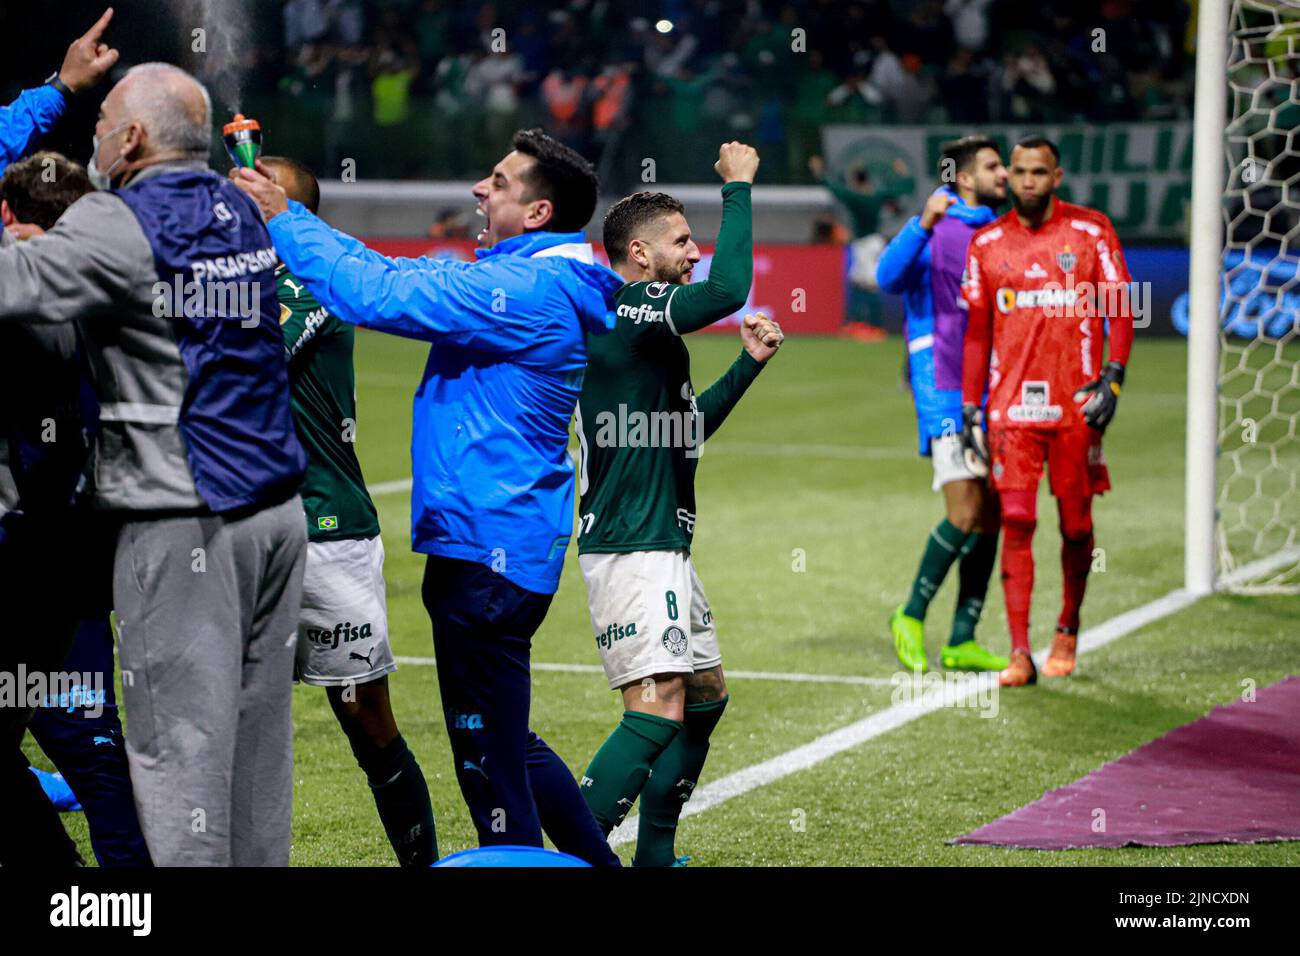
column 947, row 268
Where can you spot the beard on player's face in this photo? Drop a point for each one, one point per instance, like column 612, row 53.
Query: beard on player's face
column 670, row 268
column 1030, row 205
column 994, row 195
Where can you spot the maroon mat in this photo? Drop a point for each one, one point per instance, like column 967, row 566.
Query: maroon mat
column 1231, row 777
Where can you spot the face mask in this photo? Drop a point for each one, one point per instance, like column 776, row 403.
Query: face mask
column 103, row 180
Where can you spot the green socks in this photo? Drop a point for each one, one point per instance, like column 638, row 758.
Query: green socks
column 402, row 799
column 675, row 774
column 622, row 764
column 945, row 545
column 975, row 571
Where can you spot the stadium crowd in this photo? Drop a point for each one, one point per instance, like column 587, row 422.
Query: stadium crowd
column 482, row 68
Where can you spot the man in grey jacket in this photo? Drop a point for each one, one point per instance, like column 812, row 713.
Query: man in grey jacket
column 170, row 277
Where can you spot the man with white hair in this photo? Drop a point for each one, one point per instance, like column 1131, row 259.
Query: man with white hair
column 169, row 273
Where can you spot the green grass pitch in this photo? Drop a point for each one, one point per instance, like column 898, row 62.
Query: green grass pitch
column 813, row 508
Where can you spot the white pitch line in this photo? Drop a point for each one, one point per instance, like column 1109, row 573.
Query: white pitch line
column 845, row 452
column 739, row 675
column 896, row 715
column 390, row 487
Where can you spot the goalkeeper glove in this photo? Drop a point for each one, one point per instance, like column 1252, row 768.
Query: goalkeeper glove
column 1100, row 397
column 974, row 441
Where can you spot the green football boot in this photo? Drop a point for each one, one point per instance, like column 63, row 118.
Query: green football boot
column 909, row 641
column 969, row 656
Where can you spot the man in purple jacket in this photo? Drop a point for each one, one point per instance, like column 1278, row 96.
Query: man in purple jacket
column 924, row 263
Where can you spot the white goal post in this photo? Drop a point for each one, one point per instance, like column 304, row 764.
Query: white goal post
column 1243, row 366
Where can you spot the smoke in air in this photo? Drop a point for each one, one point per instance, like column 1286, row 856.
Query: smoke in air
column 225, row 37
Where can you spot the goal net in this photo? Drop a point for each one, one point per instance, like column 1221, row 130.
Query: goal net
column 1258, row 535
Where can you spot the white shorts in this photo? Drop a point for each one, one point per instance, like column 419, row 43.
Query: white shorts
column 343, row 625
column 949, row 461
column 649, row 615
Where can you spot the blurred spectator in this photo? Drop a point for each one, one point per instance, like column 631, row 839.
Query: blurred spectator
column 964, row 89
column 564, row 94
column 312, row 65
column 433, row 31
column 1027, row 83
column 886, row 75
column 858, row 194
column 390, row 85
column 492, row 83
column 970, row 22
column 918, row 91
column 612, row 88
column 827, row 230
column 926, row 32
column 347, row 22
column 304, row 22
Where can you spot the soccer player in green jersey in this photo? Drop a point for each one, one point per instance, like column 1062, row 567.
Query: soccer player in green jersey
column 641, row 426
column 343, row 626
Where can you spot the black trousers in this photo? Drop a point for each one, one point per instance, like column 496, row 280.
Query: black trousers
column 513, row 783
column 83, row 737
column 41, row 624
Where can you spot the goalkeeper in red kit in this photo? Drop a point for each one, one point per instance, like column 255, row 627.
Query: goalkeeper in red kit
column 1041, row 284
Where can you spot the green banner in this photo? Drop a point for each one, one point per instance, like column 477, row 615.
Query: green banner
column 1139, row 174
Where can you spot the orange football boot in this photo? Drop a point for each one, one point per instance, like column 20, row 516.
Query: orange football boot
column 1020, row 672
column 1060, row 660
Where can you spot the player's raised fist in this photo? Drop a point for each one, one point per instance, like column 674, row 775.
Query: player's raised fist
column 761, row 336
column 737, row 163
column 88, row 59
column 936, row 207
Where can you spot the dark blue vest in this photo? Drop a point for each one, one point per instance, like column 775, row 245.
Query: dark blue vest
column 213, row 252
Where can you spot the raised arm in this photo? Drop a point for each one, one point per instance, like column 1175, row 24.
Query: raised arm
column 26, row 119
column 903, row 260
column 92, row 259
column 356, row 247
column 731, row 273
column 35, row 111
column 422, row 299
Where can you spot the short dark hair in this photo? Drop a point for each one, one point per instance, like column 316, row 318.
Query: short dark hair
column 302, row 184
column 959, row 154
column 626, row 219
column 40, row 187
column 561, row 175
column 1041, row 142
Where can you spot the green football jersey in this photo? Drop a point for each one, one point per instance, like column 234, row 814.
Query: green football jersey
column 322, row 384
column 640, row 423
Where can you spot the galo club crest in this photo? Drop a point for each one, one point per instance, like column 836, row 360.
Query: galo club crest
column 1066, row 260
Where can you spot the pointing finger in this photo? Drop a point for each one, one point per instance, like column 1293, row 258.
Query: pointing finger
column 95, row 32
